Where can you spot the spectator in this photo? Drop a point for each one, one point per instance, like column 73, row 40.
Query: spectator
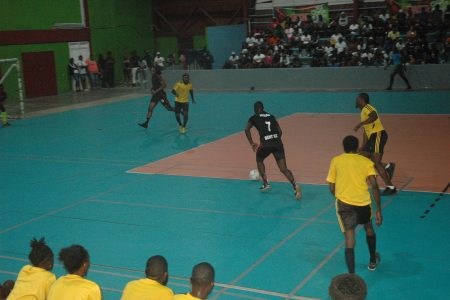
column 74, row 286
column 153, row 287
column 202, row 282
column 101, row 67
column 340, row 46
column 354, row 28
column 234, row 60
column 159, row 61
column 171, row 59
column 74, row 75
column 258, row 59
column 183, row 61
column 343, row 20
column 134, row 65
column 126, row 65
column 82, row 68
column 92, row 71
column 347, row 287
column 34, row 281
column 109, row 69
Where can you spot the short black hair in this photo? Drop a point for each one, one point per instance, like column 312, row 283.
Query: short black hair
column 350, row 143
column 40, row 253
column 258, row 104
column 347, row 287
column 365, row 97
column 203, row 274
column 73, row 257
column 156, row 266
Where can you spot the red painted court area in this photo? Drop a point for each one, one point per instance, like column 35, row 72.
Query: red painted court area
column 418, row 144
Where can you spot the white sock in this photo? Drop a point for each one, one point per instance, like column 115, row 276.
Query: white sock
column 391, row 187
column 387, row 166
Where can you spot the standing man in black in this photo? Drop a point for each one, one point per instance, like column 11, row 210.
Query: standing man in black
column 270, row 139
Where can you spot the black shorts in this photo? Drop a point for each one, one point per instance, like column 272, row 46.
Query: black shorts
column 376, row 142
column 265, row 150
column 181, row 107
column 160, row 96
column 349, row 216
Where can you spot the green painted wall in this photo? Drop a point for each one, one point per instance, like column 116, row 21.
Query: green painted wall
column 200, row 41
column 121, row 27
column 116, row 25
column 61, row 51
column 42, row 14
column 167, row 45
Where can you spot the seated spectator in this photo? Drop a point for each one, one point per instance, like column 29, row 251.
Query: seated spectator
column 343, row 20
column 202, row 282
column 412, row 33
column 334, row 38
column 285, row 61
column 340, row 46
column 258, row 59
column 268, row 60
column 354, row 28
column 251, row 42
column 34, row 280
column 400, row 45
column 393, row 34
column 74, row 286
column 234, row 60
column 296, row 61
column 346, row 287
column 153, row 287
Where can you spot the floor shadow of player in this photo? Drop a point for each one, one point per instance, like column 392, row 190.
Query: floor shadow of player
column 183, row 142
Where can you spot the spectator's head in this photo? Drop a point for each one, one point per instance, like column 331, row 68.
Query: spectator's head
column 347, row 287
column 80, row 57
column 71, row 60
column 362, row 100
column 75, row 260
column 258, row 107
column 157, row 269
column 186, row 78
column 202, row 280
column 41, row 255
column 158, row 54
column 350, row 144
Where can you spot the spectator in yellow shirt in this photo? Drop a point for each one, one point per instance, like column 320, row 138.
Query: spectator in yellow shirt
column 202, row 282
column 153, row 287
column 74, row 286
column 34, row 281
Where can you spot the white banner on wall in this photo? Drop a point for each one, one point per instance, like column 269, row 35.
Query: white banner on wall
column 269, row 4
column 79, row 48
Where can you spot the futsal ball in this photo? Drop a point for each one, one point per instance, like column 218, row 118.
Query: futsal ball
column 254, row 175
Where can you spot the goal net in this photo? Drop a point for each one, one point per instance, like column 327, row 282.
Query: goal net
column 11, row 79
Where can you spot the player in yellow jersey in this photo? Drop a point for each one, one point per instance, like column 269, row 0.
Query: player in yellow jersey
column 374, row 140
column 74, row 285
column 202, row 282
column 181, row 90
column 34, row 281
column 153, row 287
column 347, row 178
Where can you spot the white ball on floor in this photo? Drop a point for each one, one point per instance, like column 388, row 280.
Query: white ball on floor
column 254, row 175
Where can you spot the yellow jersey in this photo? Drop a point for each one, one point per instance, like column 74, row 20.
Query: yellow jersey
column 349, row 172
column 32, row 283
column 146, row 289
column 187, row 296
column 182, row 89
column 373, row 127
column 74, row 287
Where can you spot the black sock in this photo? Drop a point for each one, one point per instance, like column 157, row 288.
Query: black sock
column 372, row 243
column 350, row 259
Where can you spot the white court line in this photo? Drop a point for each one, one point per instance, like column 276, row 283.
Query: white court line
column 222, row 212
column 66, row 207
column 335, row 250
column 275, row 248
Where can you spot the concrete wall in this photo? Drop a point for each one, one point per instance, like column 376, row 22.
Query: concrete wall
column 349, row 78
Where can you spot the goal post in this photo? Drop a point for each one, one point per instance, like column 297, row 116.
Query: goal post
column 14, row 63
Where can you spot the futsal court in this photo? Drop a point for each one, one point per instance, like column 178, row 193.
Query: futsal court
column 91, row 176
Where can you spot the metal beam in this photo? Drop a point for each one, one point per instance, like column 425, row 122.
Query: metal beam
column 209, row 16
column 230, row 21
column 165, row 20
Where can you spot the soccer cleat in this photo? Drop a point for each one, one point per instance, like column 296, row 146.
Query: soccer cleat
column 145, row 124
column 265, row 187
column 180, row 129
column 297, row 192
column 388, row 191
column 390, row 170
column 183, row 130
column 373, row 265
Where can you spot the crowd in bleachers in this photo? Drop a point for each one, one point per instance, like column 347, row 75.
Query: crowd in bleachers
column 367, row 40
column 36, row 280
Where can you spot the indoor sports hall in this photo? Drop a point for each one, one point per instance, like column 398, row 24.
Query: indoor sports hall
column 91, row 176
column 77, row 169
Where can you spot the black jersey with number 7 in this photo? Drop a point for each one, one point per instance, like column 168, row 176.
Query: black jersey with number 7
column 267, row 127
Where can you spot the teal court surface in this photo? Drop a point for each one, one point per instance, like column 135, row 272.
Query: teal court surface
column 65, row 176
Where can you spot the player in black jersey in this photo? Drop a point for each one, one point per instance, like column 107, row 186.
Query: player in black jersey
column 158, row 86
column 270, row 139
